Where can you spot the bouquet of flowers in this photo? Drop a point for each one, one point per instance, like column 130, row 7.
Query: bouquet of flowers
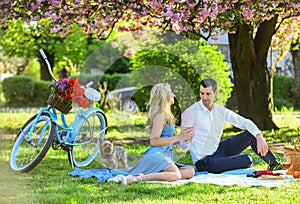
column 68, row 91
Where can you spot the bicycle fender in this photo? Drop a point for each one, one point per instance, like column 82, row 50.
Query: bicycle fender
column 91, row 110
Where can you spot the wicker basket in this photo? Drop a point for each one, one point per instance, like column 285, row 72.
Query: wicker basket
column 59, row 104
column 294, row 155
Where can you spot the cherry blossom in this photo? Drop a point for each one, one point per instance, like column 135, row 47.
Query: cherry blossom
column 100, row 17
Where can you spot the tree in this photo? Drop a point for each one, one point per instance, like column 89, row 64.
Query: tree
column 250, row 23
column 295, row 50
column 25, row 39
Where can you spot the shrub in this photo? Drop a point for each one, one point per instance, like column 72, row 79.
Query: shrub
column 283, row 91
column 40, row 95
column 18, row 89
column 182, row 64
column 34, row 93
column 24, row 91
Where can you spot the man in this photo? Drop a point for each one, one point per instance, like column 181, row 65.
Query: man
column 208, row 151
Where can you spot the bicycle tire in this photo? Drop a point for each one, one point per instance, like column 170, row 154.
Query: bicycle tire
column 91, row 129
column 26, row 155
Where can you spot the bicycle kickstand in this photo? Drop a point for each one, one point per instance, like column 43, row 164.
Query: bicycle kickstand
column 71, row 157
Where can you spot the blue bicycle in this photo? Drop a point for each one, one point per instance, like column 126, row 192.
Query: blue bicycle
column 80, row 139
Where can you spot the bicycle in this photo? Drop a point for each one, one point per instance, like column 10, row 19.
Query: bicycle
column 80, row 139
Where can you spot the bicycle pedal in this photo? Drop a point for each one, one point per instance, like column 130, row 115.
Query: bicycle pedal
column 66, row 147
column 55, row 145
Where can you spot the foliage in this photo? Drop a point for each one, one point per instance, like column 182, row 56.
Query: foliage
column 105, row 58
column 284, row 40
column 181, row 16
column 32, row 68
column 183, row 64
column 13, row 92
column 40, row 94
column 24, row 39
column 33, row 93
column 283, row 91
column 71, row 50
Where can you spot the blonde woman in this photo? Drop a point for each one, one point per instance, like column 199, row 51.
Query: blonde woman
column 157, row 162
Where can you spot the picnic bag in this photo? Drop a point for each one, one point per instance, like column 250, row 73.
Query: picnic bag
column 294, row 154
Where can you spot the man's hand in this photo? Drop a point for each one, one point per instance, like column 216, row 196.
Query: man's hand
column 262, row 146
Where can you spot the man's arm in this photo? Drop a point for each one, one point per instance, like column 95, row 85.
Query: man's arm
column 241, row 122
column 246, row 124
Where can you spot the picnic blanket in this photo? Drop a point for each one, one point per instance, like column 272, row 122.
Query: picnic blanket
column 228, row 178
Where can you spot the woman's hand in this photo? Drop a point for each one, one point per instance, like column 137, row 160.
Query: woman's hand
column 186, row 134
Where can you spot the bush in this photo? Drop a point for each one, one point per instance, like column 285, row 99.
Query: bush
column 183, row 64
column 18, row 89
column 34, row 93
column 283, row 91
column 24, row 91
column 41, row 93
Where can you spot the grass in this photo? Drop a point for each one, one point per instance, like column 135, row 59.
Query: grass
column 49, row 181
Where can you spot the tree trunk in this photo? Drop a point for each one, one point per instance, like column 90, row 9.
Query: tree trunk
column 253, row 80
column 22, row 68
column 296, row 62
column 45, row 75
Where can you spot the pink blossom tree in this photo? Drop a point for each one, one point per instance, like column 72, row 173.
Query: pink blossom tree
column 295, row 50
column 250, row 25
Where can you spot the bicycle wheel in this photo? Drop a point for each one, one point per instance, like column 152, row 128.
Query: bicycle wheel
column 29, row 149
column 86, row 144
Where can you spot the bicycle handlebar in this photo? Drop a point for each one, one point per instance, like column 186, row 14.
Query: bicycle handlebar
column 50, row 71
column 89, row 84
column 47, row 62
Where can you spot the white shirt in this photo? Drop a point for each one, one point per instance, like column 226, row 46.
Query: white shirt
column 208, row 127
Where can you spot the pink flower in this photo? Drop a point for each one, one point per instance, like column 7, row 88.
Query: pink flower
column 176, row 28
column 76, row 2
column 53, row 17
column 114, row 44
column 129, row 53
column 126, row 43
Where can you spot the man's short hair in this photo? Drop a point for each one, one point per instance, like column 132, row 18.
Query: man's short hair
column 207, row 82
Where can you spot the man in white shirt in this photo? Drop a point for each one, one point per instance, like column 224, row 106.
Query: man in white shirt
column 208, row 151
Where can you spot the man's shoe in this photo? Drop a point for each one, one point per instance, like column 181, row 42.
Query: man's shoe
column 276, row 166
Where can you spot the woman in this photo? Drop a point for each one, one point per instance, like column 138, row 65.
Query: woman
column 157, row 162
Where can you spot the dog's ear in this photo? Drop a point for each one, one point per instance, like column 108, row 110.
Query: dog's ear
column 101, row 140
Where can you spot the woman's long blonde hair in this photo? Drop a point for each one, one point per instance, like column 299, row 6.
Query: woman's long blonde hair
column 160, row 103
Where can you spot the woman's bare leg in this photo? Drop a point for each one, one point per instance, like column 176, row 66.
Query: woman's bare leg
column 170, row 173
column 187, row 172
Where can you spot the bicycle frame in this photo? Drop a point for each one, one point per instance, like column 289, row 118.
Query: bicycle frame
column 64, row 127
column 44, row 129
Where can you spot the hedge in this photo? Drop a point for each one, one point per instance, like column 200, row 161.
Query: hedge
column 24, row 91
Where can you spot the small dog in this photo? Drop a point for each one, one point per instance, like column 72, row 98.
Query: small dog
column 111, row 155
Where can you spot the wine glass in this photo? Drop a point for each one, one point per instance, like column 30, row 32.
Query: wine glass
column 286, row 162
column 188, row 125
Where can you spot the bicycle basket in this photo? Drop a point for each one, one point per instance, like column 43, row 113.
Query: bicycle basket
column 59, row 104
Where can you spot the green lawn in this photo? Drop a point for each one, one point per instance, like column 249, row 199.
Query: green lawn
column 49, row 182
